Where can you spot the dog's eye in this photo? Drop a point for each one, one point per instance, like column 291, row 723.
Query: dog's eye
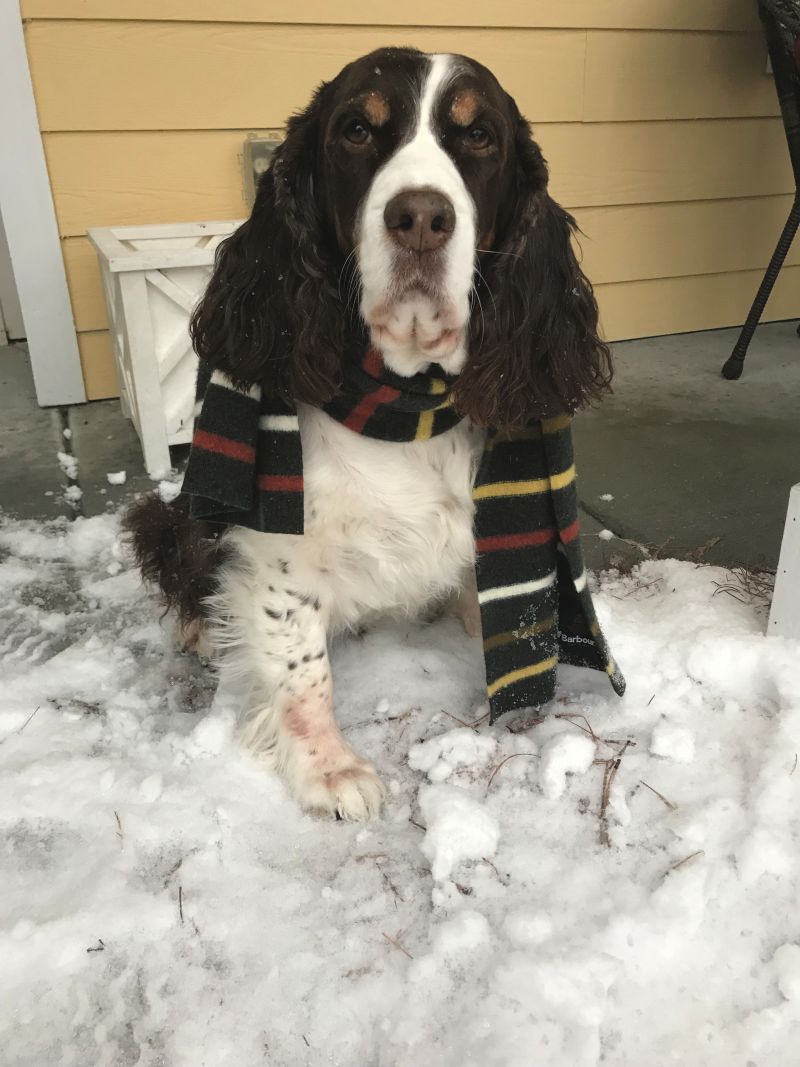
column 478, row 137
column 357, row 132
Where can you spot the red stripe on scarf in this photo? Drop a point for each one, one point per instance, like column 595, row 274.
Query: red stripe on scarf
column 569, row 533
column 280, row 483
column 521, row 540
column 357, row 419
column 223, row 446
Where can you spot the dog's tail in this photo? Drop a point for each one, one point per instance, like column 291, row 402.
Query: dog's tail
column 180, row 554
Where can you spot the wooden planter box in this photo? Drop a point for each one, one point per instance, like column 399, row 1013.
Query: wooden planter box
column 152, row 278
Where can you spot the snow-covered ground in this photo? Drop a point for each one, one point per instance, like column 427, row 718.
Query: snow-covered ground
column 165, row 903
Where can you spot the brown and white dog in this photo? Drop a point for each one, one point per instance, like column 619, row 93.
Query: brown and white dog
column 410, row 202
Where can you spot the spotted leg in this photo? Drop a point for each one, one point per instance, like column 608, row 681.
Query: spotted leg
column 272, row 634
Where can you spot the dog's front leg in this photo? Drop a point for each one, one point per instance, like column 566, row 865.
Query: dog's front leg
column 273, row 635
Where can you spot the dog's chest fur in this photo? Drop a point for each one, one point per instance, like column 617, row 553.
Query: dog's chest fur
column 388, row 526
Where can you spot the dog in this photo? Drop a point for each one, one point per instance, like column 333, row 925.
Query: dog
column 407, row 208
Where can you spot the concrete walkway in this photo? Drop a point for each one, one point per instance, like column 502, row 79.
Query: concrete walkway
column 687, row 456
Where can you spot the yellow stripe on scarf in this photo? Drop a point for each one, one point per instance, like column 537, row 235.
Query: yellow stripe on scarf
column 522, row 672
column 560, row 481
column 424, row 426
column 425, row 422
column 560, row 422
column 525, row 488
column 506, row 638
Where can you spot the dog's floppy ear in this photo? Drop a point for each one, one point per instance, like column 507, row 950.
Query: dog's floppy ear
column 271, row 314
column 534, row 344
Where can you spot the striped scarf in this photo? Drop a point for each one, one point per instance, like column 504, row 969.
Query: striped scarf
column 246, row 469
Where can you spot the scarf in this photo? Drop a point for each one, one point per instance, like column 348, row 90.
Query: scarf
column 246, row 469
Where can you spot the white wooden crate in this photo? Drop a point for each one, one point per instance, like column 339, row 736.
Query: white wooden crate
column 152, row 278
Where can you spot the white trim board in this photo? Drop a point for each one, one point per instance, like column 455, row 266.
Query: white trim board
column 31, row 230
column 10, row 311
column 784, row 616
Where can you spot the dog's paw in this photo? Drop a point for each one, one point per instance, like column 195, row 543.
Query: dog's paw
column 193, row 637
column 349, row 789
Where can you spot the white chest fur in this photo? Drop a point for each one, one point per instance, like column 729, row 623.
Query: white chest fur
column 392, row 523
column 388, row 526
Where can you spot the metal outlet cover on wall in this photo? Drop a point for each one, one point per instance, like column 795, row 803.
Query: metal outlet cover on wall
column 258, row 153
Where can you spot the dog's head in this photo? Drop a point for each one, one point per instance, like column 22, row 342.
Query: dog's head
column 408, row 202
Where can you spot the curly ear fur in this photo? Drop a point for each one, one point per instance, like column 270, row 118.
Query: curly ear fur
column 271, row 314
column 535, row 350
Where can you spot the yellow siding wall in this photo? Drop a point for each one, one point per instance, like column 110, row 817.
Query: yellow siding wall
column 656, row 116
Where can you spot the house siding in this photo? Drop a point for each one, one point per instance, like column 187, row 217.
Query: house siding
column 657, row 117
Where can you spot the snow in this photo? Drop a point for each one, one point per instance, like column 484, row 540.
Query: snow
column 562, row 755
column 165, row 902
column 672, row 742
column 116, row 477
column 606, row 535
column 168, row 490
column 68, row 464
column 606, row 496
column 459, row 828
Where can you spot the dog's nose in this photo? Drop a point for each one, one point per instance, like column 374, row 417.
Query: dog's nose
column 421, row 220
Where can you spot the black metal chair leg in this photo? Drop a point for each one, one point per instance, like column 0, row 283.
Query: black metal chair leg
column 735, row 363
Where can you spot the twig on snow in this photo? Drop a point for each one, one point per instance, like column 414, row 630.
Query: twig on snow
column 180, row 902
column 396, row 944
column 503, row 762
column 19, row 731
column 611, row 741
column 686, row 859
column 461, row 722
column 587, row 729
column 398, row 895
column 118, row 831
column 612, row 766
column 670, row 805
column 747, row 586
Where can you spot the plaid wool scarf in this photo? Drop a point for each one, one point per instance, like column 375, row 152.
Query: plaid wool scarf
column 246, row 469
